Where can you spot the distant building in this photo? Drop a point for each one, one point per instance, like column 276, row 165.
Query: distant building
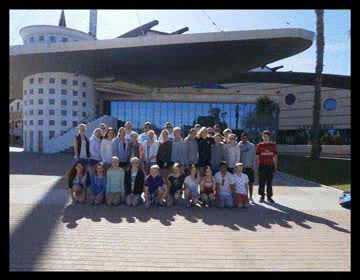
column 16, row 122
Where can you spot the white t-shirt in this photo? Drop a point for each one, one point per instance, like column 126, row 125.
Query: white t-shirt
column 83, row 148
column 240, row 183
column 224, row 182
column 192, row 183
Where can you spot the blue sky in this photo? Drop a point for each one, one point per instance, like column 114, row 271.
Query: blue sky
column 112, row 23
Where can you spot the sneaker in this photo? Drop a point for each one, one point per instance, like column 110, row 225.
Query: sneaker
column 270, row 200
column 261, row 200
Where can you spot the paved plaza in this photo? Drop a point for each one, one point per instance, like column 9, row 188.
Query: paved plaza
column 305, row 230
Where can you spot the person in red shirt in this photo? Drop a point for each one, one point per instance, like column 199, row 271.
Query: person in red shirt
column 266, row 158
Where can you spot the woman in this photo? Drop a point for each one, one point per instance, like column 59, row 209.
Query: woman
column 217, row 153
column 78, row 182
column 175, row 185
column 97, row 185
column 204, row 148
column 232, row 152
column 191, row 149
column 164, row 153
column 81, row 146
column 120, row 148
column 106, row 147
column 150, row 148
column 115, row 183
column 191, row 187
column 134, row 183
column 135, row 149
column 95, row 143
column 208, row 187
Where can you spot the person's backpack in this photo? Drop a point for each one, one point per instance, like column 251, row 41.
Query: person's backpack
column 345, row 200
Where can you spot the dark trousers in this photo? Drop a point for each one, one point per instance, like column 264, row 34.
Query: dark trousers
column 265, row 176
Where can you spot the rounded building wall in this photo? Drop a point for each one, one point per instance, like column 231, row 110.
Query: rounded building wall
column 54, row 102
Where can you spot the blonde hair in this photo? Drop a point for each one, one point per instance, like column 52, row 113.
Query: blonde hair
column 155, row 167
column 162, row 134
column 201, row 131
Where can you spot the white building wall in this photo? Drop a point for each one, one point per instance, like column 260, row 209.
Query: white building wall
column 81, row 91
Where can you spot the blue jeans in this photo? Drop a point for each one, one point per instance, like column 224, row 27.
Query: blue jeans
column 225, row 200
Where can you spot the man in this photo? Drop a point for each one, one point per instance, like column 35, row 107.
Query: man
column 104, row 129
column 169, row 128
column 144, row 136
column 266, row 158
column 248, row 159
column 210, row 132
column 128, row 131
column 224, row 186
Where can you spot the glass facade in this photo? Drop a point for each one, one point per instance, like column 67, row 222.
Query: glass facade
column 185, row 114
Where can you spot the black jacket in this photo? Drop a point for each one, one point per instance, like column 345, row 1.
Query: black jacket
column 78, row 140
column 139, row 182
column 204, row 149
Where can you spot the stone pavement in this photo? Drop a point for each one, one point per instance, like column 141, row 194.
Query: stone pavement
column 305, row 230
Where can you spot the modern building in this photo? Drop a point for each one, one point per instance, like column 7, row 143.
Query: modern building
column 66, row 77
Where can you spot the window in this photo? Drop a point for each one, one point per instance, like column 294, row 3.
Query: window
column 75, row 103
column 40, row 112
column 84, row 84
column 64, row 39
column 40, row 80
column 84, row 104
column 63, row 92
column 75, row 93
column 31, row 91
column 32, row 39
column 31, row 102
column 51, row 112
column 24, row 91
column 290, row 99
column 63, row 81
column 63, row 102
column 51, row 134
column 84, row 114
column 31, row 81
column 52, row 39
column 63, row 112
column 75, row 82
column 31, row 122
column 51, row 122
column 84, row 94
column 41, row 101
column 74, row 113
column 41, row 91
column 51, row 91
column 63, row 123
column 41, row 38
column 40, row 122
column 330, row 104
column 51, row 101
column 52, row 81
column 74, row 123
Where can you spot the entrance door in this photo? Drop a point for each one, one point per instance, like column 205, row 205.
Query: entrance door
column 31, row 146
column 40, row 141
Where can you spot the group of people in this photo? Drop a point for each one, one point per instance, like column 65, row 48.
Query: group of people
column 207, row 166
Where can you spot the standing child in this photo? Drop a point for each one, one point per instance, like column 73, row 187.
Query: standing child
column 115, row 183
column 98, row 185
column 154, row 187
column 241, row 182
column 191, row 186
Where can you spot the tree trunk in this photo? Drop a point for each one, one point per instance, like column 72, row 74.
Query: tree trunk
column 315, row 149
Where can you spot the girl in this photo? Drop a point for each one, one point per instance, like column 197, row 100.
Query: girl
column 191, row 186
column 164, row 153
column 95, row 143
column 98, row 185
column 120, row 148
column 78, row 182
column 204, row 148
column 114, row 183
column 134, row 183
column 208, row 187
column 175, row 186
column 81, row 146
column 241, row 182
column 106, row 147
column 154, row 187
column 150, row 147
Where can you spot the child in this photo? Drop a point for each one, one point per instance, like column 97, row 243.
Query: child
column 191, row 186
column 154, row 187
column 98, row 185
column 208, row 187
column 78, row 182
column 114, row 183
column 175, row 187
column 241, row 182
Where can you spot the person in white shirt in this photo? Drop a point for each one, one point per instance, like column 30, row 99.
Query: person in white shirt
column 241, row 182
column 106, row 147
column 128, row 131
column 144, row 136
column 191, row 186
column 169, row 128
column 232, row 152
column 150, row 148
column 224, row 187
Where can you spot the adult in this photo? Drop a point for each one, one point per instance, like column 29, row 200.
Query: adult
column 248, row 159
column 134, row 183
column 128, row 131
column 175, row 185
column 217, row 129
column 144, row 136
column 97, row 185
column 197, row 128
column 95, row 143
column 241, row 181
column 163, row 158
column 204, row 148
column 81, row 146
column 135, row 149
column 106, row 147
column 168, row 126
column 191, row 149
column 217, row 153
column 150, row 148
column 208, row 187
column 78, row 182
column 178, row 152
column 224, row 187
column 104, row 129
column 266, row 158
column 232, row 152
column 210, row 131
column 226, row 134
column 120, row 148
column 191, row 187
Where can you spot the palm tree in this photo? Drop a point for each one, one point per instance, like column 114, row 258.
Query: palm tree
column 320, row 41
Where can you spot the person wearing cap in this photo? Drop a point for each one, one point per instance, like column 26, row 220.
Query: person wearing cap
column 144, row 136
column 134, row 183
column 81, row 146
column 169, row 128
column 248, row 158
column 150, row 148
column 232, row 152
column 241, row 182
column 104, row 129
column 266, row 158
column 224, row 187
column 175, row 185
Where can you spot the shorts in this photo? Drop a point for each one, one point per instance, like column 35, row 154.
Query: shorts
column 241, row 198
column 250, row 173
